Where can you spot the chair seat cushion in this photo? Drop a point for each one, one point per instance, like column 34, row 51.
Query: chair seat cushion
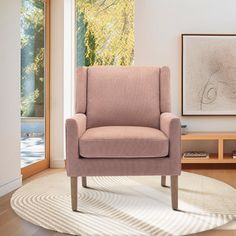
column 123, row 142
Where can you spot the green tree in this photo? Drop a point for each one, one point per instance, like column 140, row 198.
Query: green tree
column 105, row 32
column 32, row 58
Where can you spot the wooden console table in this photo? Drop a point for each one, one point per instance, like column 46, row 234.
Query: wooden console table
column 221, row 156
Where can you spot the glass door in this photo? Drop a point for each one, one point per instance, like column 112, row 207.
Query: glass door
column 34, row 86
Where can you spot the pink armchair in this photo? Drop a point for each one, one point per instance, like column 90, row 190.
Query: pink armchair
column 123, row 126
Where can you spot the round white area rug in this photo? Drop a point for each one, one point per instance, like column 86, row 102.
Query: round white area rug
column 126, row 205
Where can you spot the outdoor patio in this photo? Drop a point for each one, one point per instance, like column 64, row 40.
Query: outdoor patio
column 32, row 150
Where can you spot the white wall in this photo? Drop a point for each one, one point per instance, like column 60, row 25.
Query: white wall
column 158, row 28
column 57, row 84
column 61, row 77
column 10, row 177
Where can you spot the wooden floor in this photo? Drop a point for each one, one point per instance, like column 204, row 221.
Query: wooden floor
column 12, row 225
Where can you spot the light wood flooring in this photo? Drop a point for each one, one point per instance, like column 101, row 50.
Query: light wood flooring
column 12, row 225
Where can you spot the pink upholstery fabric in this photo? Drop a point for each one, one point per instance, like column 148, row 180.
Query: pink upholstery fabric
column 81, row 90
column 123, row 167
column 165, row 95
column 75, row 127
column 123, row 142
column 170, row 125
column 123, row 96
column 77, row 166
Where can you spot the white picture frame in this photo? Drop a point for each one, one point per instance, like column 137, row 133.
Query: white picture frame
column 208, row 74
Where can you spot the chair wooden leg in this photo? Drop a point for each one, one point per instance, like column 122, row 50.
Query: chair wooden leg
column 84, row 181
column 163, row 181
column 174, row 191
column 73, row 184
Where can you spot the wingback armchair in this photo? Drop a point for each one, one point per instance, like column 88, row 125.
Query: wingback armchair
column 123, row 126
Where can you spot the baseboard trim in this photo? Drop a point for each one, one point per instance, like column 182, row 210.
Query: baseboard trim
column 57, row 164
column 10, row 185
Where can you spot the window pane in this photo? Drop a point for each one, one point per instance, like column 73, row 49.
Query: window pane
column 105, row 32
column 32, row 80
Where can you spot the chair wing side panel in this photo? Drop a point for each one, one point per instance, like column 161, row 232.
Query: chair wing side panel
column 81, row 90
column 165, row 94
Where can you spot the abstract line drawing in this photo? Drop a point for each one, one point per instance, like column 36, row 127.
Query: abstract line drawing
column 223, row 77
column 208, row 74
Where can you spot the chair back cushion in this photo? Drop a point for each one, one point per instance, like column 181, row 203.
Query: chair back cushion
column 123, row 96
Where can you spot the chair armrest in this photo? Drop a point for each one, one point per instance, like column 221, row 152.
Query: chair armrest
column 170, row 125
column 75, row 127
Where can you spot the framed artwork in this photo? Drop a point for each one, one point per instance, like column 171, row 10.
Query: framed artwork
column 208, row 74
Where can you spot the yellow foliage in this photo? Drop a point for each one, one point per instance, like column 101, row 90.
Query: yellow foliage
column 110, row 23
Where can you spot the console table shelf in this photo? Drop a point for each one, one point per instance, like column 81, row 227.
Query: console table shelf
column 222, row 156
